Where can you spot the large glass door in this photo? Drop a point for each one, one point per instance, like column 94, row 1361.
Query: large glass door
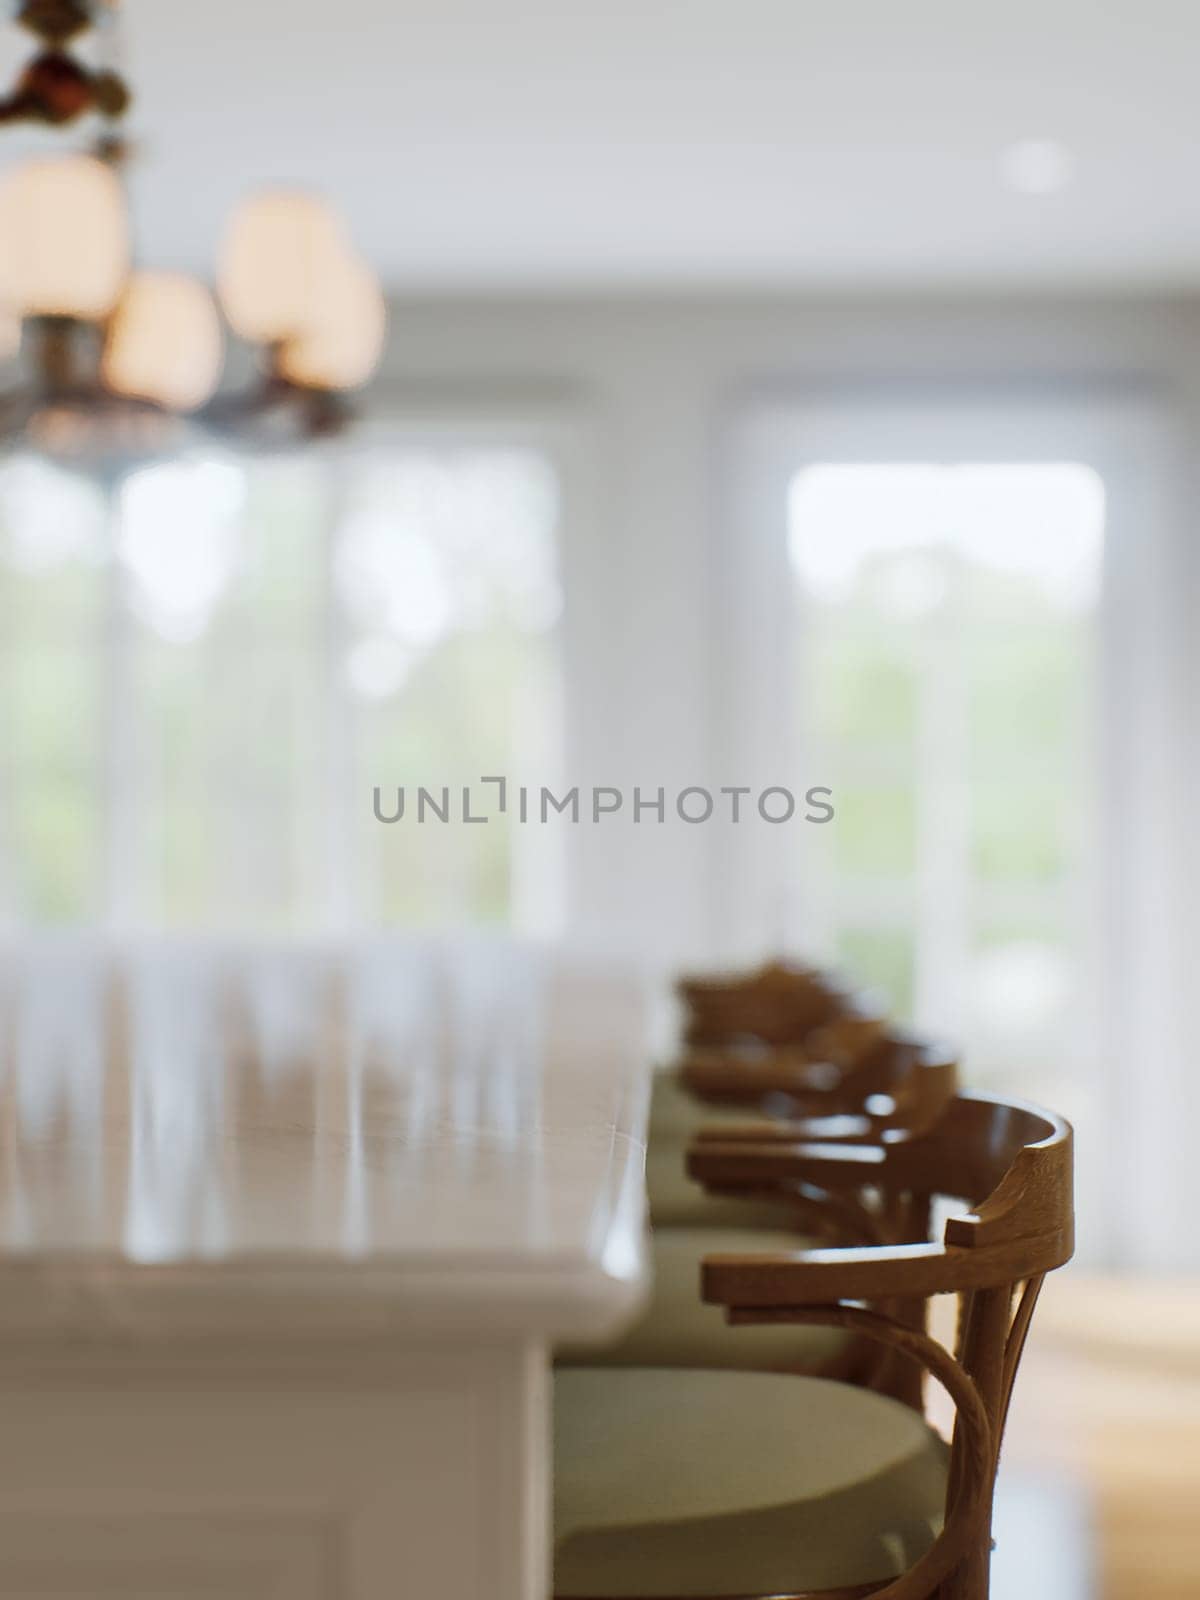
column 938, row 611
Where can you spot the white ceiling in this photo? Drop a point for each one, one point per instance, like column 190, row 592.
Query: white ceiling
column 602, row 143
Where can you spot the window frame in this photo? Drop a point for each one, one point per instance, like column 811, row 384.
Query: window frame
column 563, row 435
column 1142, row 919
column 563, row 427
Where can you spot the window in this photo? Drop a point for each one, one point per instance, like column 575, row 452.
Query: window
column 209, row 664
column 965, row 618
column 947, row 624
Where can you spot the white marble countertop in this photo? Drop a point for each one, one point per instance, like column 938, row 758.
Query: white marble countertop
column 404, row 1137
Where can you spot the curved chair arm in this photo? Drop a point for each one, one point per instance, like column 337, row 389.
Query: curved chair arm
column 746, row 1162
column 782, row 1280
column 837, row 1127
column 717, row 1076
column 785, row 1279
column 860, row 1113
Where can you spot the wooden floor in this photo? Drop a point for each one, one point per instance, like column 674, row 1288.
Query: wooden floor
column 1100, row 1480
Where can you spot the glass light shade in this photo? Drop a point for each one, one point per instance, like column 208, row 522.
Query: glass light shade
column 342, row 349
column 280, row 250
column 164, row 343
column 64, row 238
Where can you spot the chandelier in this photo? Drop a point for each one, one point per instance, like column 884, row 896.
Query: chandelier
column 117, row 360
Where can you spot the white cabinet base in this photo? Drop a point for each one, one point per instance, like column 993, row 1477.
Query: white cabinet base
column 357, row 1476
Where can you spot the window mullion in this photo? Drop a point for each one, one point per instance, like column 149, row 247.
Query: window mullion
column 120, row 776
column 941, row 882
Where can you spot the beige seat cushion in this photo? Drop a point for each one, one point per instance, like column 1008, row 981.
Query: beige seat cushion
column 676, row 1114
column 677, row 1201
column 678, row 1329
column 685, row 1483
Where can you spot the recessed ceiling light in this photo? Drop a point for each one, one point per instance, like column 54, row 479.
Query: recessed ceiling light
column 1037, row 166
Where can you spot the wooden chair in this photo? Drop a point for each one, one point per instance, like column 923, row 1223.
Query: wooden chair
column 892, row 1085
column 753, row 1074
column 695, row 1484
column 775, row 1004
column 902, row 1090
column 808, row 1068
column 895, row 1086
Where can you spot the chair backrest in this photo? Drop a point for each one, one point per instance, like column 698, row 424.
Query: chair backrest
column 777, row 1003
column 816, row 1059
column 1011, row 1163
column 897, row 1082
column 894, row 1086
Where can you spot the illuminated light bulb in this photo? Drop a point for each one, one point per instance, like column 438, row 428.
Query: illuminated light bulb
column 342, row 349
column 64, row 239
column 281, row 248
column 164, row 343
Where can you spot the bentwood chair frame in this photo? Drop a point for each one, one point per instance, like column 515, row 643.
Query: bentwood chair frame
column 898, row 1086
column 777, row 1004
column 898, row 1090
column 1013, row 1165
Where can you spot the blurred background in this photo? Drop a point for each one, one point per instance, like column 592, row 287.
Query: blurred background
column 772, row 395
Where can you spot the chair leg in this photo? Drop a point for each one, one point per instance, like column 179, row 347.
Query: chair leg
column 972, row 1579
column 983, row 1340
